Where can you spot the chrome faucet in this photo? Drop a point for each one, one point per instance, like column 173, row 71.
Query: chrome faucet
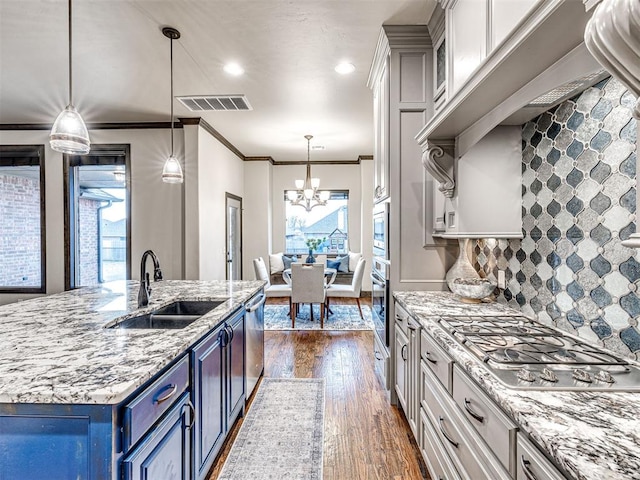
column 145, row 287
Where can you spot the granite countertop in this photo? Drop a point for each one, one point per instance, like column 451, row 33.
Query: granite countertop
column 56, row 349
column 591, row 435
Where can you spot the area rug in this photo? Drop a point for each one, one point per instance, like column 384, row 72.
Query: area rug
column 282, row 434
column 344, row 317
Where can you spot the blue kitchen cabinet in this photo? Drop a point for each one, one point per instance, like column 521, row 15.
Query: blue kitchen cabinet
column 218, row 389
column 208, row 399
column 165, row 452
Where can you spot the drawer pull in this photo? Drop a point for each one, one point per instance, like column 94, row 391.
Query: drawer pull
column 446, row 435
column 170, row 391
column 403, row 352
column 377, row 355
column 525, row 468
column 429, row 359
column 467, row 407
column 411, row 327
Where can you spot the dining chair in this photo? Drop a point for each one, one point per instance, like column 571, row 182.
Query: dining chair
column 349, row 291
column 307, row 286
column 260, row 269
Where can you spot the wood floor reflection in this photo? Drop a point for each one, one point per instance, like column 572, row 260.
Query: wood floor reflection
column 365, row 437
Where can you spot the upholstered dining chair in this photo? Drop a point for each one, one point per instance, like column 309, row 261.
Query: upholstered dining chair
column 349, row 291
column 307, row 286
column 260, row 269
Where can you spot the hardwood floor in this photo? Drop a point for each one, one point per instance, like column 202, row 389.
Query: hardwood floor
column 364, row 437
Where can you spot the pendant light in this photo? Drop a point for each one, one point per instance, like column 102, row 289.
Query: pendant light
column 306, row 194
column 69, row 133
column 172, row 171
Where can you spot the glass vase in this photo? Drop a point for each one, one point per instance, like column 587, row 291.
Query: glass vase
column 310, row 258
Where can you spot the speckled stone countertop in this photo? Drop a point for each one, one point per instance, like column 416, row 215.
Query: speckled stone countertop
column 591, row 435
column 56, row 349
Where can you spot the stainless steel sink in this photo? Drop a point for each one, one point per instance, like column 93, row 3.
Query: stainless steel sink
column 176, row 315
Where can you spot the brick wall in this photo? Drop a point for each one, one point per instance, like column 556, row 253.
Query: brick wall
column 88, row 241
column 20, row 264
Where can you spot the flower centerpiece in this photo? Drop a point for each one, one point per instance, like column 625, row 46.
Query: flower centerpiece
column 313, row 243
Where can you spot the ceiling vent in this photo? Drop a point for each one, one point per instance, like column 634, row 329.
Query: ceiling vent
column 217, row 103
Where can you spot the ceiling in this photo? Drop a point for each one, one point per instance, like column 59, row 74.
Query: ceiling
column 288, row 50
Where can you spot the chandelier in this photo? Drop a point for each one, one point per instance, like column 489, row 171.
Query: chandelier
column 306, row 194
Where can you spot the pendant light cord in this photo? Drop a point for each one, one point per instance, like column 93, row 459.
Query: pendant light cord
column 171, row 57
column 70, row 59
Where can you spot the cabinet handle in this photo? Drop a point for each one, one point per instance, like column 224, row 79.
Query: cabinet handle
column 223, row 337
column 170, row 391
column 377, row 355
column 192, row 413
column 475, row 415
column 446, row 435
column 429, row 359
column 231, row 333
column 411, row 327
column 403, row 352
column 525, row 468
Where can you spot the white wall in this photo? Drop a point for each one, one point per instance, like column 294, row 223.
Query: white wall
column 257, row 214
column 156, row 207
column 212, row 170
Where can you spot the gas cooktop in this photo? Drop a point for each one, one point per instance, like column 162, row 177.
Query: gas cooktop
column 526, row 354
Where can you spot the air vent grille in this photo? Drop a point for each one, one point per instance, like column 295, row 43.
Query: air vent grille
column 567, row 90
column 218, row 103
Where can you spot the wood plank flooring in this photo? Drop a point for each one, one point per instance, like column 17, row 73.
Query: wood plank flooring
column 365, row 437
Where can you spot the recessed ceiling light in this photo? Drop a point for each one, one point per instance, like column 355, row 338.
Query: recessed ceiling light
column 233, row 69
column 345, row 68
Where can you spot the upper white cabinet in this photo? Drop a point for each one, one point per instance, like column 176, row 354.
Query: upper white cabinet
column 468, row 38
column 486, row 200
column 380, row 86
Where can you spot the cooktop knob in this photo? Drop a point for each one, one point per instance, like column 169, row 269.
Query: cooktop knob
column 548, row 376
column 604, row 376
column 526, row 375
column 582, row 375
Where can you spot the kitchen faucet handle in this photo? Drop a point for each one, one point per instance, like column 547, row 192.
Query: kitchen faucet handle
column 157, row 274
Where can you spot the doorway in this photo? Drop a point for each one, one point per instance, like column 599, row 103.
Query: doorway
column 233, row 208
column 97, row 216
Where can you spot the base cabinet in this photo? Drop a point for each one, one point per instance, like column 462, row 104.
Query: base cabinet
column 218, row 389
column 532, row 464
column 407, row 365
column 165, row 454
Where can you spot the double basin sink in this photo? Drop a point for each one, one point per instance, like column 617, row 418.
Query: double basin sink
column 176, row 315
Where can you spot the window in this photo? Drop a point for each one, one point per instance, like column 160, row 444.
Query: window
column 97, row 216
column 330, row 222
column 22, row 219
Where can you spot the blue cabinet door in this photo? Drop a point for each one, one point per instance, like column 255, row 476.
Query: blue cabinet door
column 235, row 369
column 208, row 398
column 164, row 454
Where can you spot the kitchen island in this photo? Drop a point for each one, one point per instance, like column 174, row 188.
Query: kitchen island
column 590, row 435
column 64, row 372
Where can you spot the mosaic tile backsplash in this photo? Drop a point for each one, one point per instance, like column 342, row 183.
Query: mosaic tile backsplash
column 578, row 203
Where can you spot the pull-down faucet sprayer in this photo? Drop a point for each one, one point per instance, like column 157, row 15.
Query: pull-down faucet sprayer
column 145, row 287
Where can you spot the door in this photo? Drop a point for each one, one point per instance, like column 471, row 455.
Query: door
column 402, row 357
column 234, row 236
column 97, row 216
column 208, row 398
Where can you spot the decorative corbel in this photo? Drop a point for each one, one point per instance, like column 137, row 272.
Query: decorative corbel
column 438, row 159
column 612, row 38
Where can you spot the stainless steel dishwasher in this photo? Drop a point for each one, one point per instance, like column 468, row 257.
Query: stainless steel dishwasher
column 254, row 324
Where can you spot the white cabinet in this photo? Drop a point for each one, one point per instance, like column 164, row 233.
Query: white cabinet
column 532, row 464
column 484, row 196
column 407, row 362
column 381, row 133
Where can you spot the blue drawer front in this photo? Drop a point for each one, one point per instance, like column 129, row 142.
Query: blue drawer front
column 148, row 407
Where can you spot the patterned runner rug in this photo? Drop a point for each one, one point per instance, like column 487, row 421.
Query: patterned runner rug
column 344, row 317
column 282, row 434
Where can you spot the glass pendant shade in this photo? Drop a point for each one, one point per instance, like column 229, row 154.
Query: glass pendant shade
column 315, row 183
column 299, row 184
column 291, row 195
column 172, row 171
column 69, row 133
column 325, row 195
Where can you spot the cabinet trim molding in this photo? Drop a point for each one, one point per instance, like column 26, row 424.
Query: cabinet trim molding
column 438, row 160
